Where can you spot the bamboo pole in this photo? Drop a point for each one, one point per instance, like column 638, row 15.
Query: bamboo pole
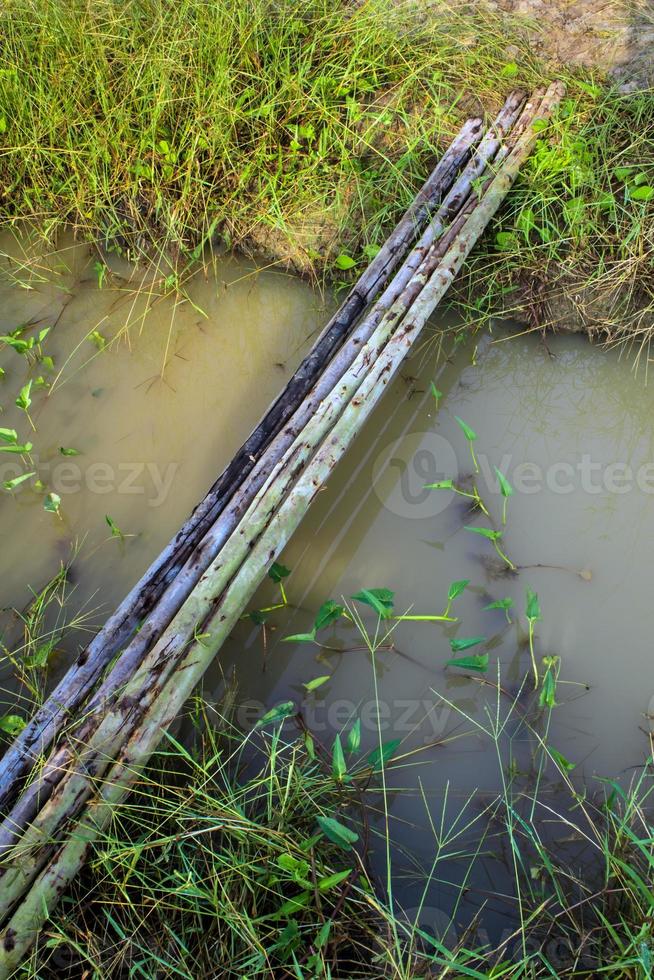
column 28, row 747
column 227, row 607
column 187, row 578
column 142, row 686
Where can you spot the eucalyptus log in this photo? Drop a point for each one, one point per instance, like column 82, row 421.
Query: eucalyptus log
column 221, row 596
column 38, row 734
column 180, row 588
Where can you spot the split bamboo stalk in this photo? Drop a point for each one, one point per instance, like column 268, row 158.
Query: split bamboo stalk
column 188, row 577
column 74, row 687
column 341, row 432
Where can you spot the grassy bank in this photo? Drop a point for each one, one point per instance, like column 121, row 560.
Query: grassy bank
column 301, row 130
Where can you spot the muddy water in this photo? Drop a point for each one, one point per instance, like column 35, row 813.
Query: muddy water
column 156, row 414
column 572, row 430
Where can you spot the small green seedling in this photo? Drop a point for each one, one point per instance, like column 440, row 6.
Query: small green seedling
column 495, row 537
column 506, row 490
column 471, row 437
column 504, row 604
column 450, row 485
column 52, row 503
column 532, row 612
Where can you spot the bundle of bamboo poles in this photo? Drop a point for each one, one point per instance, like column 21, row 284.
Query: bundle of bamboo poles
column 132, row 680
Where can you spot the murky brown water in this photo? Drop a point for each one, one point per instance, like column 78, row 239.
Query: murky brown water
column 157, row 414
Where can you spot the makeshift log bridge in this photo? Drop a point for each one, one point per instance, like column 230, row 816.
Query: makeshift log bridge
column 75, row 760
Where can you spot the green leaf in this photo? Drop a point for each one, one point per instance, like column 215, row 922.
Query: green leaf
column 21, row 450
column 293, row 905
column 339, row 767
column 436, row 394
column 41, row 655
column 441, row 485
column 9, row 435
column 506, row 241
column 24, row 401
column 538, row 125
column 561, row 760
column 52, row 503
column 469, row 433
column 316, row 682
column 344, row 262
column 328, row 613
column 477, row 662
column 500, row 604
column 456, row 588
column 12, row 484
column 466, row 643
column 278, row 713
column 547, row 697
column 510, row 70
column 300, row 638
column 310, row 746
column 380, row 756
column 337, row 832
column 69, row 452
column 97, row 338
column 277, row 572
column 485, row 532
column 12, row 724
column 113, row 527
column 354, row 737
column 381, row 600
column 505, row 486
column 331, row 881
column 642, row 193
column 532, row 608
column 623, row 173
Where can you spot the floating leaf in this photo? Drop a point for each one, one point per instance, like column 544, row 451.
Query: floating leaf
column 344, row 262
column 485, row 532
column 12, row 484
column 278, row 713
column 477, row 662
column 354, row 737
column 436, row 394
column 440, row 485
column 500, row 604
column 98, row 339
column 337, row 832
column 328, row 613
column 381, row 600
column 456, row 588
column 21, row 450
column 380, row 756
column 24, row 400
column 277, row 572
column 8, row 435
column 68, row 451
column 12, row 724
column 465, row 643
column 469, row 433
column 339, row 767
column 300, row 638
column 316, row 682
column 52, row 503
